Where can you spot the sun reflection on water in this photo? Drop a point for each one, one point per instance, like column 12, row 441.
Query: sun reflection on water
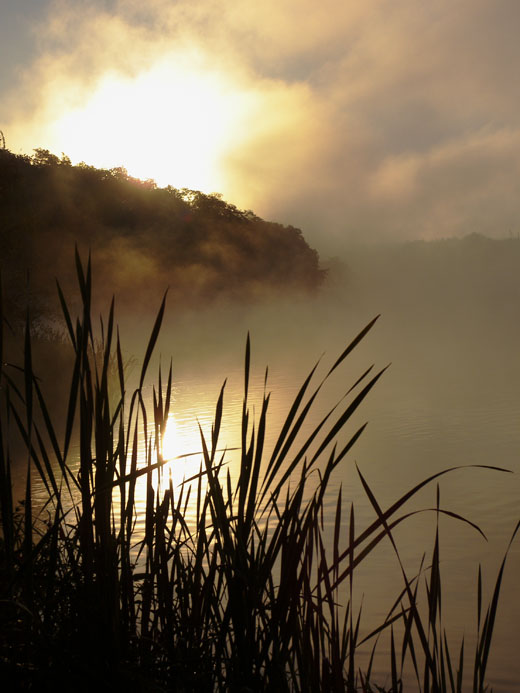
column 182, row 450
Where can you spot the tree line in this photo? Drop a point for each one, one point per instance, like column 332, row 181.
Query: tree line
column 142, row 238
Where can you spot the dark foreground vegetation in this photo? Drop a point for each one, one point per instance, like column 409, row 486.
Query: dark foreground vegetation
column 142, row 237
column 247, row 591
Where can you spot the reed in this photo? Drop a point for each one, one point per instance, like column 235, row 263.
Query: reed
column 254, row 595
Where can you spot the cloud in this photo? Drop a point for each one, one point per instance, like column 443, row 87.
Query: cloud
column 360, row 119
column 467, row 185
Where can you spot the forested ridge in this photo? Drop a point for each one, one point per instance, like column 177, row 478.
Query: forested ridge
column 142, row 238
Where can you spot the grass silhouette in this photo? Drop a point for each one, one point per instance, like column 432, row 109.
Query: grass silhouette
column 253, row 595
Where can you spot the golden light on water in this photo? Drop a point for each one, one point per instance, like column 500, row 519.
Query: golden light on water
column 169, row 441
column 182, row 450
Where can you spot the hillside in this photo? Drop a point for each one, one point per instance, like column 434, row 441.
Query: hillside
column 142, row 238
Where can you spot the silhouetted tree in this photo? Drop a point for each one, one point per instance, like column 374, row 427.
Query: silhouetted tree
column 142, row 237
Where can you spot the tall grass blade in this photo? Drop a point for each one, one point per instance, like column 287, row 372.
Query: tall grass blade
column 353, row 344
column 66, row 315
column 430, row 668
column 484, row 644
column 153, row 339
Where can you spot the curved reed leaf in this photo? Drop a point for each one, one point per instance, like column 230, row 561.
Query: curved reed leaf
column 153, row 338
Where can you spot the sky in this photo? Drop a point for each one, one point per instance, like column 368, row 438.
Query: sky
column 360, row 119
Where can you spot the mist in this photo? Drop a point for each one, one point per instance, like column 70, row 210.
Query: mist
column 369, row 122
column 448, row 327
column 286, row 172
column 444, row 306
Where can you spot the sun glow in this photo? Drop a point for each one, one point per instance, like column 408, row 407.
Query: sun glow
column 182, row 451
column 173, row 123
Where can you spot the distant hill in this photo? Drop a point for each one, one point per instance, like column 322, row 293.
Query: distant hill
column 142, row 238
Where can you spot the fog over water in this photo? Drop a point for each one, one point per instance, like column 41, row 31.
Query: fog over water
column 449, row 330
column 372, row 125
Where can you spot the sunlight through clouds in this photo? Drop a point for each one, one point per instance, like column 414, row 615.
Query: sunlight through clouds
column 332, row 117
column 170, row 123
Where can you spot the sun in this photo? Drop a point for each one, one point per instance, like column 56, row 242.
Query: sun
column 173, row 123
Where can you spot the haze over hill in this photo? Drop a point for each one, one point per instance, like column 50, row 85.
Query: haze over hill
column 371, row 120
column 142, row 238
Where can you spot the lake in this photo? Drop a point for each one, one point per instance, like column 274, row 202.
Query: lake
column 450, row 398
